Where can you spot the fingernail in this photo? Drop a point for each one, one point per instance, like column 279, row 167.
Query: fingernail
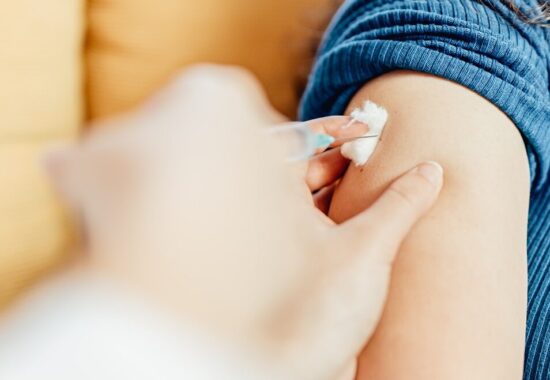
column 355, row 126
column 432, row 171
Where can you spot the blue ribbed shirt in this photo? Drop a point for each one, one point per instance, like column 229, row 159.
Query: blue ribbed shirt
column 482, row 45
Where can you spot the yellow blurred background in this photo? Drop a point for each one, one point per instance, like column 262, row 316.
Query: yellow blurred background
column 135, row 45
column 65, row 61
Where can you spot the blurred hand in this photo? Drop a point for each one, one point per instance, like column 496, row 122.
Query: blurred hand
column 186, row 199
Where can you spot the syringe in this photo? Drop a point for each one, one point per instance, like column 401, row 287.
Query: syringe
column 302, row 142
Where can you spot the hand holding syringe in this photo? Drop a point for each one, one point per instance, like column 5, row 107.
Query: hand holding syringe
column 269, row 244
column 308, row 138
column 305, row 139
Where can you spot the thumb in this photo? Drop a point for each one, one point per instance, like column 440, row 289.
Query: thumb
column 387, row 222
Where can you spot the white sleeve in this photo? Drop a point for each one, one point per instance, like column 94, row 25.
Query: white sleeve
column 78, row 330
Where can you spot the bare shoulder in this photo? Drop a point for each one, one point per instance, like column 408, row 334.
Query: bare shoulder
column 458, row 297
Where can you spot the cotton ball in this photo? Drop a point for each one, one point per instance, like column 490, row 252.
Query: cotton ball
column 360, row 150
column 373, row 115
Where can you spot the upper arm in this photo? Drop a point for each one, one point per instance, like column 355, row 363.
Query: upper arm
column 457, row 302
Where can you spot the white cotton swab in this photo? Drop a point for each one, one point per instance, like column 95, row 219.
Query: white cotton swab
column 360, row 150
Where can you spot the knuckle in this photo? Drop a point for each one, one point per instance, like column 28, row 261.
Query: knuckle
column 312, row 176
column 238, row 75
column 228, row 85
column 191, row 75
column 203, row 70
column 221, row 81
column 215, row 77
column 405, row 195
column 318, row 172
column 412, row 191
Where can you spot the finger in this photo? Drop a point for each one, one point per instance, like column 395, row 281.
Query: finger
column 325, row 168
column 386, row 223
column 339, row 127
column 350, row 372
column 323, row 198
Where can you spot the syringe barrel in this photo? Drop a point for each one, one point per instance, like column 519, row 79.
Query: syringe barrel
column 298, row 138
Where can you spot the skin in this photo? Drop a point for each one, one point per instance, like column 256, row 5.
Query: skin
column 457, row 300
column 176, row 204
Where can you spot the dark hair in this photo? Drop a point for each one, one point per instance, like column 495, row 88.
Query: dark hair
column 537, row 16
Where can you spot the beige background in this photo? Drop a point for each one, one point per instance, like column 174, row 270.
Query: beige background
column 62, row 58
column 135, row 45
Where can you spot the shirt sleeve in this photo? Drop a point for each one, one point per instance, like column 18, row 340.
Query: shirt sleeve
column 480, row 44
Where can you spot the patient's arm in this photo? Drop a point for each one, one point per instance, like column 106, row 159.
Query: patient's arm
column 457, row 301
